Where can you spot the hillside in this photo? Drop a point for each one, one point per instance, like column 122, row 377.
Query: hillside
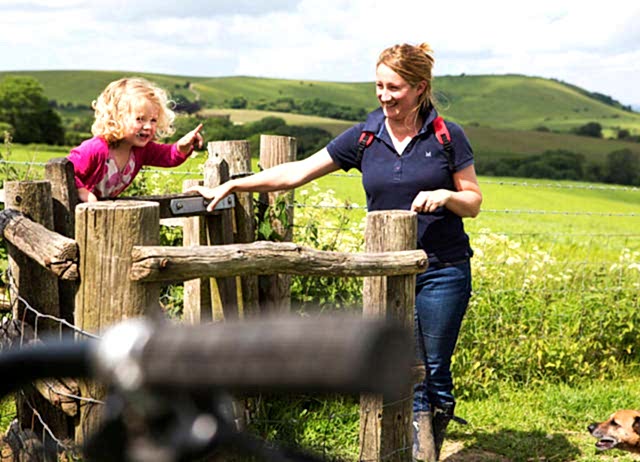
column 496, row 101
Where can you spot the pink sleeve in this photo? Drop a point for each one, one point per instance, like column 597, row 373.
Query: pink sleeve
column 163, row 155
column 86, row 161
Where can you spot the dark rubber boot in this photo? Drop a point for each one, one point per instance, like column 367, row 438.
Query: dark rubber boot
column 442, row 415
column 423, row 446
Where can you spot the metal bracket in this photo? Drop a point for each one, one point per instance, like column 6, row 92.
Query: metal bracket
column 197, row 205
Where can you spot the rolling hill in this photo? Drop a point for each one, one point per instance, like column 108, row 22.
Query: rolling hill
column 497, row 101
column 503, row 115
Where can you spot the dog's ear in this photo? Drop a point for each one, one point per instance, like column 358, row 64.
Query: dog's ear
column 636, row 425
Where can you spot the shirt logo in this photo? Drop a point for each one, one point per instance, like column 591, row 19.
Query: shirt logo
column 428, row 154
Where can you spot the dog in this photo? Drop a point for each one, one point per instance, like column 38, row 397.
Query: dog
column 621, row 430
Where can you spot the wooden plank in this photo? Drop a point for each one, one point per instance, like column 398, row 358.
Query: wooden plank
column 49, row 249
column 183, row 263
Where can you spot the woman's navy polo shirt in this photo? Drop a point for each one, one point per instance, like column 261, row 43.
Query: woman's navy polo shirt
column 392, row 181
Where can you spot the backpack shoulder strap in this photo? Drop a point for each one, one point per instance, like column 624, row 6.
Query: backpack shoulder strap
column 366, row 138
column 442, row 134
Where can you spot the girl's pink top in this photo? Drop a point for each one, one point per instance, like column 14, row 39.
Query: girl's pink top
column 91, row 166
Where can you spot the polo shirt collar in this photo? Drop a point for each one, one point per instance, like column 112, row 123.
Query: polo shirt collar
column 375, row 121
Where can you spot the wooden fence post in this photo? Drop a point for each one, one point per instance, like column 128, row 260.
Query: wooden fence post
column 385, row 428
column 219, row 230
column 37, row 288
column 197, row 292
column 275, row 291
column 60, row 173
column 106, row 233
column 237, row 156
column 227, row 158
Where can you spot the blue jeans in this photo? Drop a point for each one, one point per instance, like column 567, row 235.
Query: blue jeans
column 442, row 297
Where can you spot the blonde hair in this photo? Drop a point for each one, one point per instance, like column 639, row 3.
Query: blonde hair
column 414, row 63
column 118, row 102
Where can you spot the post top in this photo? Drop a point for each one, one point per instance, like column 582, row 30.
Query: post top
column 115, row 204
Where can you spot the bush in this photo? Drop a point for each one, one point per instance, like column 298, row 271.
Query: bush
column 73, row 138
column 593, row 129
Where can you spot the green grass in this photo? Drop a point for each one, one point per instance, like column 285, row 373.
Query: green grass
column 510, row 205
column 543, row 423
column 489, row 143
column 524, row 103
column 515, row 424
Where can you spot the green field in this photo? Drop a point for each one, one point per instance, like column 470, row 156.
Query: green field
column 510, row 204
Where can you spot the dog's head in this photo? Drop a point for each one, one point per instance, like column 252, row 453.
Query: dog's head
column 621, row 430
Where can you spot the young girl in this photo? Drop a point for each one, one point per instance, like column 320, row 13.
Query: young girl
column 129, row 114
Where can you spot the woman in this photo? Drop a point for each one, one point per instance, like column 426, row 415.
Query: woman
column 406, row 167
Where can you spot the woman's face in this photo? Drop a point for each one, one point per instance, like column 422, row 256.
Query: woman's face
column 397, row 98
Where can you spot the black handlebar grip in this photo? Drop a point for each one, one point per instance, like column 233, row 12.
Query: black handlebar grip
column 335, row 354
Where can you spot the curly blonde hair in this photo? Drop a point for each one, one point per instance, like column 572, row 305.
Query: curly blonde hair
column 414, row 63
column 117, row 103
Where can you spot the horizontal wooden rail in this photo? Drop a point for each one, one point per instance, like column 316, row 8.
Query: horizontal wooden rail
column 49, row 249
column 154, row 263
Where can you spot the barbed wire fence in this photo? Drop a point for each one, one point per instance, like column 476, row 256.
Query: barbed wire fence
column 513, row 275
column 30, row 334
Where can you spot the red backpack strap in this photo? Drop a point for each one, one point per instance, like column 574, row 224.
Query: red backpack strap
column 442, row 134
column 366, row 138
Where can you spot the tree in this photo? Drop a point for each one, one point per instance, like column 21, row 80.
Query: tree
column 238, row 102
column 622, row 167
column 624, row 134
column 593, row 129
column 24, row 106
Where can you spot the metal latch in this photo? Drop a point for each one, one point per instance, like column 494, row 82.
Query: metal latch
column 197, row 205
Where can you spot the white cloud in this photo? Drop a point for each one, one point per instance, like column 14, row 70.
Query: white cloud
column 339, row 40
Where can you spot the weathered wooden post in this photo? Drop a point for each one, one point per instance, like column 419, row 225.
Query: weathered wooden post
column 237, row 156
column 385, row 428
column 60, row 173
column 197, row 292
column 38, row 289
column 106, row 233
column 37, row 286
column 234, row 158
column 219, row 231
column 275, row 291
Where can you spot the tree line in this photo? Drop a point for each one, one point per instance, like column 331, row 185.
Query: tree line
column 619, row 167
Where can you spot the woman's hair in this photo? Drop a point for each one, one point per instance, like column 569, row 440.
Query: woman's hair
column 121, row 99
column 414, row 63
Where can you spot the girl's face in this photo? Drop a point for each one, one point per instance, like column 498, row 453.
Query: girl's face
column 397, row 98
column 141, row 124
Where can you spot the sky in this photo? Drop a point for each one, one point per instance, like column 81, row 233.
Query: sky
column 594, row 45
